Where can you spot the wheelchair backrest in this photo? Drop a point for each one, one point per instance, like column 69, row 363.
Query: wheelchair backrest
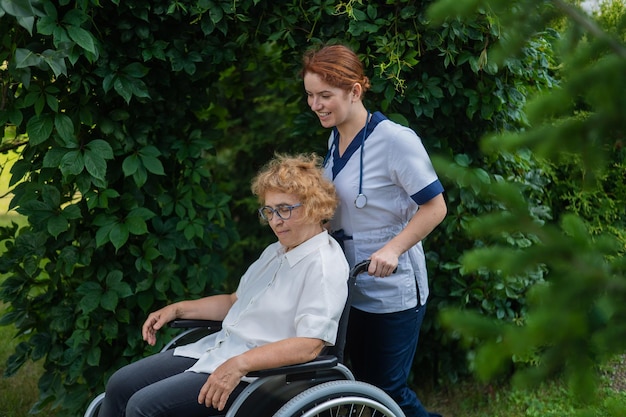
column 340, row 343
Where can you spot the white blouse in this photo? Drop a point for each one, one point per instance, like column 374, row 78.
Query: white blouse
column 300, row 293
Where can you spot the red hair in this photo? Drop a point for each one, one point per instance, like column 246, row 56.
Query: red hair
column 337, row 65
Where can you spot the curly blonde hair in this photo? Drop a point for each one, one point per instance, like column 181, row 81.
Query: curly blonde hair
column 300, row 175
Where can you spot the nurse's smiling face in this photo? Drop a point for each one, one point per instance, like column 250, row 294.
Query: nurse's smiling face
column 296, row 229
column 331, row 104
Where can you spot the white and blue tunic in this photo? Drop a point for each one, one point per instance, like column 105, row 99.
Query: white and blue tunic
column 397, row 176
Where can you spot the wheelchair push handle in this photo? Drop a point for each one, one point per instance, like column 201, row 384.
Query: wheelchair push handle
column 362, row 267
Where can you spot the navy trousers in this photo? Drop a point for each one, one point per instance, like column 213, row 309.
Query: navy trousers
column 380, row 350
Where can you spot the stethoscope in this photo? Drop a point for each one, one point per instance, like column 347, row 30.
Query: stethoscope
column 361, row 199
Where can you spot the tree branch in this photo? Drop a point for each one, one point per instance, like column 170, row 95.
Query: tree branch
column 13, row 145
column 588, row 24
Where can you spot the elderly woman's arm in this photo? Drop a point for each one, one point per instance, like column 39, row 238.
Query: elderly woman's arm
column 227, row 376
column 214, row 307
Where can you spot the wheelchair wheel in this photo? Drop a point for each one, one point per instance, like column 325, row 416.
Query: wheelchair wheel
column 341, row 399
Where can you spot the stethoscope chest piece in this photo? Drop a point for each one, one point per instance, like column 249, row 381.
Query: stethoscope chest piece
column 360, row 201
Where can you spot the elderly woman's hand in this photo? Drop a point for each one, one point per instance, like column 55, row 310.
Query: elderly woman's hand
column 155, row 321
column 221, row 383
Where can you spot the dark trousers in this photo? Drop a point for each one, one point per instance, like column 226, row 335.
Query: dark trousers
column 380, row 350
column 158, row 386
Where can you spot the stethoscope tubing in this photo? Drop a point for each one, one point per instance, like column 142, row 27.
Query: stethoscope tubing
column 361, row 199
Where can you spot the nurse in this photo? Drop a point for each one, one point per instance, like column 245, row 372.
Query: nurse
column 390, row 200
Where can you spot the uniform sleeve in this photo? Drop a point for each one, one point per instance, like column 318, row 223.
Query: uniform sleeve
column 411, row 167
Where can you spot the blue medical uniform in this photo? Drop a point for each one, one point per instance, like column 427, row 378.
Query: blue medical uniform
column 396, row 175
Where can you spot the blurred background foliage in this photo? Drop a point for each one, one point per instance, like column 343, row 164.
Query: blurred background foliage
column 140, row 123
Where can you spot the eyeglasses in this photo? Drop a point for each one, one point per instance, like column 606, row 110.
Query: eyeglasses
column 283, row 211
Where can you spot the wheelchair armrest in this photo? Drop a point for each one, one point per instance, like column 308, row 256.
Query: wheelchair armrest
column 190, row 324
column 321, row 362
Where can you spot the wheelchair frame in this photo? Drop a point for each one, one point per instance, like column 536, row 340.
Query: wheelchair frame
column 321, row 387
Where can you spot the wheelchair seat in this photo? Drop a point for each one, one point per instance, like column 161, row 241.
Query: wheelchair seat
column 321, row 387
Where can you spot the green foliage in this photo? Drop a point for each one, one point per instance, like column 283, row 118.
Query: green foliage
column 146, row 120
column 575, row 317
column 123, row 214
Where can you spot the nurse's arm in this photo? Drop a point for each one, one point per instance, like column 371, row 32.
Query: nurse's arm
column 429, row 215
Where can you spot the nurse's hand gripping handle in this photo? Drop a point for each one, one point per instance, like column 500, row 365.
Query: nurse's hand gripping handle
column 362, row 267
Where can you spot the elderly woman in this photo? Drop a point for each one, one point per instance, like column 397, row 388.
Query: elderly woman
column 285, row 310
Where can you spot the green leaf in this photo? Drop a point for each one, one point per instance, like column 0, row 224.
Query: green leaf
column 124, row 88
column 37, row 211
column 82, row 38
column 65, row 127
column 152, row 164
column 53, row 102
column 18, row 8
column 140, row 177
column 142, row 213
column 130, row 165
column 26, row 58
column 110, row 330
column 136, row 225
column 150, row 151
column 27, row 23
column 123, row 315
column 52, row 158
column 108, row 82
column 119, row 235
column 41, row 343
column 104, row 220
column 55, row 60
column 95, row 164
column 39, row 129
column 109, row 300
column 115, row 283
column 93, row 357
column 189, row 231
column 103, row 234
column 72, row 163
column 17, row 359
column 114, row 277
column 89, row 302
column 100, row 147
column 46, row 25
column 145, row 300
column 71, row 211
column 135, row 70
column 57, row 225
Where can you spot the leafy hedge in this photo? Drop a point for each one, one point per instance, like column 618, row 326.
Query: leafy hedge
column 147, row 118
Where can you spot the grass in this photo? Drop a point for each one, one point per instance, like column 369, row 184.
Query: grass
column 19, row 392
column 550, row 399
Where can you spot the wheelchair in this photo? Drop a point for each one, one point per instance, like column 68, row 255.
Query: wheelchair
column 323, row 387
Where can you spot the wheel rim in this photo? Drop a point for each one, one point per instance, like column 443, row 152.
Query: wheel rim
column 349, row 407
